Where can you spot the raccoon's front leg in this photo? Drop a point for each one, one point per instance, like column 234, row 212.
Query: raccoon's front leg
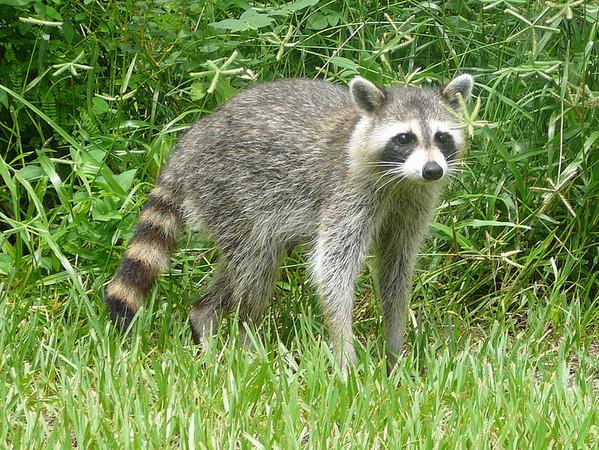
column 396, row 248
column 336, row 263
column 394, row 274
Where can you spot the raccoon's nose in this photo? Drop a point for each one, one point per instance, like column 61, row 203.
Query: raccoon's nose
column 432, row 171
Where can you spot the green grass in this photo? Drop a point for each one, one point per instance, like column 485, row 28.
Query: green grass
column 503, row 343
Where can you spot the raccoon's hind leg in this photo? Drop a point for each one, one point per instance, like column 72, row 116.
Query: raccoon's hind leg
column 213, row 303
column 255, row 277
column 148, row 254
column 243, row 282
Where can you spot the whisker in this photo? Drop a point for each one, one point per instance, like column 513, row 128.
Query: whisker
column 460, row 164
column 384, row 174
column 393, row 177
column 389, row 181
column 380, row 164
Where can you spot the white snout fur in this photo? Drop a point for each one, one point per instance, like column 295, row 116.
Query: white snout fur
column 413, row 166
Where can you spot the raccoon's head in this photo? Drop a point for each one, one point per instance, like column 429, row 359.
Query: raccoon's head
column 408, row 133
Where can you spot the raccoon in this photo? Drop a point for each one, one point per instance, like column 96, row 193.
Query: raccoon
column 301, row 161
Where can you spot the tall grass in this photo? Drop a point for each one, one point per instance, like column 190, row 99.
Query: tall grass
column 503, row 344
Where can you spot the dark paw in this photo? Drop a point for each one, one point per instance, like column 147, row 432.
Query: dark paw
column 197, row 339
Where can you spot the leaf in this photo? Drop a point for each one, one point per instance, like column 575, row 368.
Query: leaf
column 47, row 12
column 477, row 223
column 234, row 25
column 333, row 17
column 104, row 211
column 16, row 2
column 99, row 106
column 5, row 260
column 198, row 91
column 297, row 6
column 588, row 143
column 224, row 90
column 256, row 20
column 50, row 171
column 462, row 241
column 344, row 63
column 317, row 21
column 4, row 99
column 68, row 31
column 30, row 172
column 125, row 179
column 210, row 47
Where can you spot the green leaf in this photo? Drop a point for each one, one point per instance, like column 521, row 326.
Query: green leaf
column 234, row 25
column 344, row 63
column 68, row 31
column 224, row 90
column 198, row 91
column 16, row 2
column 47, row 12
column 333, row 17
column 297, row 6
column 462, row 241
column 100, row 106
column 125, row 179
column 30, row 172
column 4, row 99
column 50, row 170
column 317, row 21
column 210, row 47
column 256, row 20
column 5, row 260
column 104, row 211
column 477, row 223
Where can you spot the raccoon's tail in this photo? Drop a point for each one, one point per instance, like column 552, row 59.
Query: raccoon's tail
column 146, row 257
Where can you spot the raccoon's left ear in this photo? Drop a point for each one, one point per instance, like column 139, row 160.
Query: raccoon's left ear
column 460, row 85
column 366, row 96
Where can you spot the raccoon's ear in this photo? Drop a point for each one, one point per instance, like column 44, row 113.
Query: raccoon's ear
column 460, row 85
column 366, row 96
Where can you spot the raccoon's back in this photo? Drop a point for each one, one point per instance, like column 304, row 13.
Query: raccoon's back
column 281, row 117
column 270, row 146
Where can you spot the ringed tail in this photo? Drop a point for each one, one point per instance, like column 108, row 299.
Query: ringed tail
column 147, row 255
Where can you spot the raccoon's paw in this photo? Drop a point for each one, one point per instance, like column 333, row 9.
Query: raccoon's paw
column 346, row 360
column 121, row 314
column 203, row 321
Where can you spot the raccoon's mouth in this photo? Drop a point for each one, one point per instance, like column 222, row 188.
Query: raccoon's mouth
column 430, row 173
column 389, row 174
column 425, row 166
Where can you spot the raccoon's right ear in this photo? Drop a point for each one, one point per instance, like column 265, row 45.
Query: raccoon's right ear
column 460, row 86
column 366, row 96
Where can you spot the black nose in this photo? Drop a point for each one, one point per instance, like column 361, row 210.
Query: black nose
column 432, row 171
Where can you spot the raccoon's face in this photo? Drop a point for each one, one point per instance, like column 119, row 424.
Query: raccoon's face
column 408, row 133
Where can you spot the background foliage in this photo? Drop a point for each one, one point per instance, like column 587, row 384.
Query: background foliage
column 93, row 95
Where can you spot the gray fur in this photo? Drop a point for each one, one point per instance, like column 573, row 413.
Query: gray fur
column 459, row 86
column 367, row 97
column 291, row 162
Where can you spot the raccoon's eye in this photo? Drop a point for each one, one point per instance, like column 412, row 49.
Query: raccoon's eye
column 404, row 138
column 442, row 137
